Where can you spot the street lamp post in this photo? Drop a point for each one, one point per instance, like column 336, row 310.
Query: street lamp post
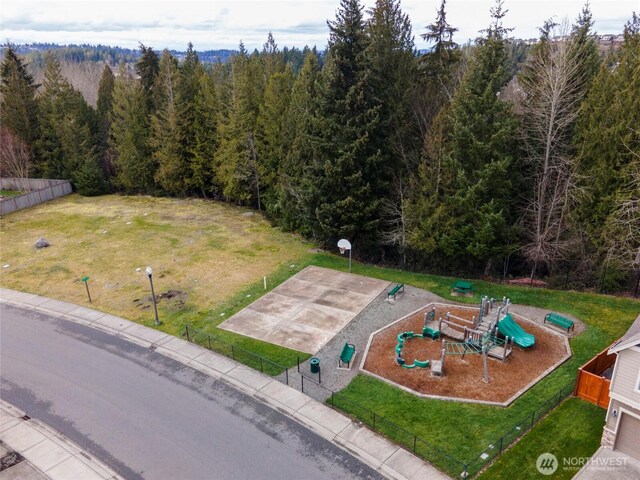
column 344, row 245
column 153, row 295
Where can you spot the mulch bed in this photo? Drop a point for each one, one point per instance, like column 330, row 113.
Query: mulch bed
column 463, row 378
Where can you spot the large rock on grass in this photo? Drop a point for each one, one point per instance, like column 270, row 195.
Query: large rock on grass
column 42, row 243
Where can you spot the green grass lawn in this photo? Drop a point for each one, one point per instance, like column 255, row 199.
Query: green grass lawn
column 572, row 431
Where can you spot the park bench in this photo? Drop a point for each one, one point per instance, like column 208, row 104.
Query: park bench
column 559, row 320
column 465, row 288
column 347, row 355
column 399, row 288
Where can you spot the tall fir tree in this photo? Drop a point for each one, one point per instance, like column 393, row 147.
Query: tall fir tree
column 296, row 188
column 147, row 67
column 18, row 103
column 103, row 114
column 393, row 77
column 481, row 149
column 166, row 140
column 135, row 167
column 348, row 186
column 273, row 136
column 205, row 130
column 609, row 147
column 67, row 133
column 187, row 92
column 237, row 155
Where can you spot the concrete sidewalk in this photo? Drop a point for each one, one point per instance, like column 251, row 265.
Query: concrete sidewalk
column 371, row 448
column 47, row 454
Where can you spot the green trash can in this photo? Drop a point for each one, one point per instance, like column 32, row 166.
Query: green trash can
column 315, row 365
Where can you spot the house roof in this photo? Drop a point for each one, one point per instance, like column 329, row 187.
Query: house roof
column 629, row 339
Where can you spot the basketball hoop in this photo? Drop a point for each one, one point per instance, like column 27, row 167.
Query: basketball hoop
column 345, row 245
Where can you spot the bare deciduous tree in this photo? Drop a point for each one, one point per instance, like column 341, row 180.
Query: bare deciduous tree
column 553, row 86
column 394, row 214
column 15, row 159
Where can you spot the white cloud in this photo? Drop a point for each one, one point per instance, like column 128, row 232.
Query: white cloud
column 222, row 24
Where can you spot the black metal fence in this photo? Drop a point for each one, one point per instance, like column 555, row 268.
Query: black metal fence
column 239, row 354
column 379, row 423
column 518, row 429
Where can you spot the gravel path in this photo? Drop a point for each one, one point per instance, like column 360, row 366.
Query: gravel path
column 376, row 315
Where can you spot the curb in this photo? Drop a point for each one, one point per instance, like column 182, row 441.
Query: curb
column 53, row 455
column 372, row 449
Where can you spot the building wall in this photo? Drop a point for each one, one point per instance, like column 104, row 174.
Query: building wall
column 627, row 371
column 624, row 393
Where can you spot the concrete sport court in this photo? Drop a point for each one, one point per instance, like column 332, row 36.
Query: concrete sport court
column 307, row 310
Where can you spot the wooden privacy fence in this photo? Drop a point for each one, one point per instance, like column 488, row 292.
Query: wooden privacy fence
column 591, row 385
column 38, row 190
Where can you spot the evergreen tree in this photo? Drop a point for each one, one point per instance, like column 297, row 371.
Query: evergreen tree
column 348, row 186
column 237, row 155
column 103, row 114
column 393, row 77
column 18, row 104
column 296, row 190
column 273, row 137
column 205, row 128
column 481, row 149
column 89, row 180
column 147, row 68
column 166, row 140
column 67, row 125
column 187, row 92
column 135, row 167
column 584, row 48
column 609, row 147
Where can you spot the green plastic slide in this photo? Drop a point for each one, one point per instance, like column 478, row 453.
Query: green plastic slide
column 509, row 328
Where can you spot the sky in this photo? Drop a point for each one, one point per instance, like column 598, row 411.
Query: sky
column 215, row 24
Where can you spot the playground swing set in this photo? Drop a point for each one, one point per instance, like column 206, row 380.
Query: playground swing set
column 481, row 337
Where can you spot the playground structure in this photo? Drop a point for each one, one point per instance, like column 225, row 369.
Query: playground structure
column 480, row 335
column 427, row 332
column 464, row 348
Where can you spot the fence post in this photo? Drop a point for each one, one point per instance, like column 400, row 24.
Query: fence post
column 261, row 369
column 286, row 375
column 319, row 375
column 559, row 398
column 302, row 377
column 298, row 364
column 186, row 327
column 533, row 416
column 374, row 421
column 414, row 443
column 332, row 404
column 209, row 340
column 500, row 450
column 233, row 353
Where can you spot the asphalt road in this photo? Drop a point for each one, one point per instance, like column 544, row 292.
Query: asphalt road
column 148, row 416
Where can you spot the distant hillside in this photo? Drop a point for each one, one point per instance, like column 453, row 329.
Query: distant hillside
column 36, row 52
